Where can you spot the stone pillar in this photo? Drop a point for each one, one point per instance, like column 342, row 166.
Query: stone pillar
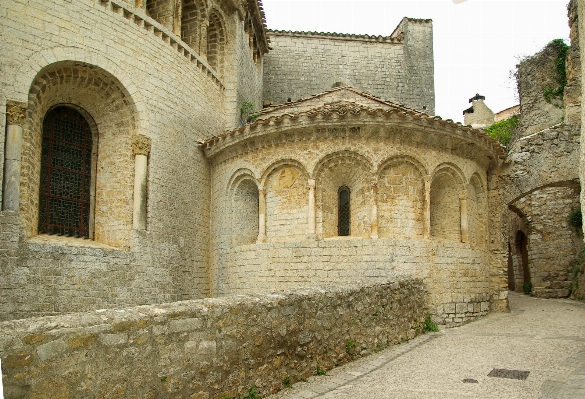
column 374, row 210
column 464, row 223
column 203, row 43
column 261, row 215
column 311, row 215
column 141, row 149
column 177, row 13
column 15, row 116
column 427, row 208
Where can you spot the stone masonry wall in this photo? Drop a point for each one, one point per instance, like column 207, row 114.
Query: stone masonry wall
column 175, row 99
column 553, row 244
column 455, row 275
column 303, row 64
column 205, row 348
column 534, row 74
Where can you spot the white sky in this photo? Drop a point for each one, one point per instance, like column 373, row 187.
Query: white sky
column 476, row 43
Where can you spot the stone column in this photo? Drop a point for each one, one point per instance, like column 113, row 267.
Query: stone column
column 203, row 43
column 261, row 215
column 427, row 208
column 141, row 149
column 464, row 223
column 311, row 230
column 177, row 13
column 374, row 211
column 15, row 116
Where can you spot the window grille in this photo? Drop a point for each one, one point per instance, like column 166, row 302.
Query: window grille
column 64, row 205
column 343, row 219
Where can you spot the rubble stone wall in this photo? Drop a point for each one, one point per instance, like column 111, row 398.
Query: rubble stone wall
column 206, row 348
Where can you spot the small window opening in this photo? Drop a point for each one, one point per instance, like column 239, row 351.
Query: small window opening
column 343, row 219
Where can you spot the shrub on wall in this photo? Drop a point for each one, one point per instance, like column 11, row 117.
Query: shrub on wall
column 502, row 131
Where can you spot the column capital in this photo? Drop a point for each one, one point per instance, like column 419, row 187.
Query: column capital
column 311, row 183
column 463, row 196
column 15, row 113
column 140, row 145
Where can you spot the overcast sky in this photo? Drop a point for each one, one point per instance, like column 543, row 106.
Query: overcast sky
column 476, row 43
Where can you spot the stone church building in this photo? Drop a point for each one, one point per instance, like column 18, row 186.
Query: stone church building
column 136, row 171
column 193, row 205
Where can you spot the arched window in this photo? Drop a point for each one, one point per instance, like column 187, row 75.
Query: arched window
column 215, row 43
column 190, row 24
column 66, row 169
column 343, row 212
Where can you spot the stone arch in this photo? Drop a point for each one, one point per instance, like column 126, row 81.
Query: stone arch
column 105, row 102
column 29, row 71
column 477, row 211
column 354, row 171
column 244, row 195
column 287, row 204
column 237, row 176
column 280, row 163
column 161, row 11
column 446, row 187
column 519, row 263
column 191, row 23
column 401, row 198
column 216, row 41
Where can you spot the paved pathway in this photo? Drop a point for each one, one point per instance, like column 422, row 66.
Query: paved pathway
column 543, row 336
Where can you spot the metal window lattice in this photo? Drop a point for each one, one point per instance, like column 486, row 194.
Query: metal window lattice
column 65, row 174
column 343, row 223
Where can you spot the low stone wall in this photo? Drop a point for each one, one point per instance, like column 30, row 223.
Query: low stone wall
column 205, row 348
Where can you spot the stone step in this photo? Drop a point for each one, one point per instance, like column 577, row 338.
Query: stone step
column 550, row 293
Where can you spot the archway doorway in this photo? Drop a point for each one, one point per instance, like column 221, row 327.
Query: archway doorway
column 522, row 249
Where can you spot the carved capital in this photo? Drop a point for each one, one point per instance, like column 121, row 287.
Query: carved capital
column 311, row 183
column 140, row 145
column 15, row 113
column 463, row 196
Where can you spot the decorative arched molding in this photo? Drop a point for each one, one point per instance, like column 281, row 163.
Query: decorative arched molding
column 402, row 198
column 448, row 203
column 237, row 177
column 28, row 71
column 344, row 154
column 216, row 40
column 452, row 169
column 423, row 169
column 111, row 112
column 286, row 184
column 344, row 168
column 282, row 163
column 246, row 210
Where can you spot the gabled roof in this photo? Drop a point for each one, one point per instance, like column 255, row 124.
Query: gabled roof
column 329, row 96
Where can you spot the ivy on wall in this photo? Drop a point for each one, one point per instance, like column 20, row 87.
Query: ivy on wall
column 553, row 93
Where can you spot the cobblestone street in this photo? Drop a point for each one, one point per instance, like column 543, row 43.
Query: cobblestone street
column 543, row 336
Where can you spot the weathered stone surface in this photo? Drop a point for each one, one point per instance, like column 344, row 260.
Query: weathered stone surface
column 238, row 343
